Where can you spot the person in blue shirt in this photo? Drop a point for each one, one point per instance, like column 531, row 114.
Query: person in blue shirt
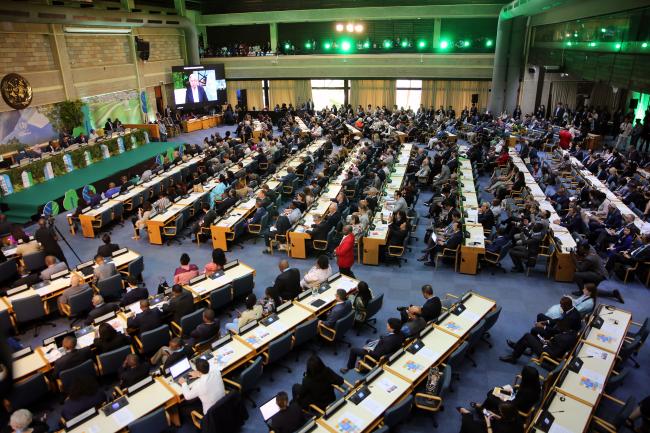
column 217, row 192
column 112, row 190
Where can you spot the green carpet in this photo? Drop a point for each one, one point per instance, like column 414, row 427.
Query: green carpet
column 26, row 203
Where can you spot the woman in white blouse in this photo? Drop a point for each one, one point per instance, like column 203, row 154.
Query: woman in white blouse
column 318, row 273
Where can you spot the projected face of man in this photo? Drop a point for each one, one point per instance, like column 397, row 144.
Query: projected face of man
column 194, row 81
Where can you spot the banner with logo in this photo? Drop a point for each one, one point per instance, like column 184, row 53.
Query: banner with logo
column 105, row 152
column 48, row 172
column 120, row 144
column 67, row 161
column 6, row 185
column 88, row 158
column 27, row 178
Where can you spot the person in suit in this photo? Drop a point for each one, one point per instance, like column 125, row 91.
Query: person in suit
column 48, row 240
column 316, row 387
column 558, row 114
column 100, row 308
column 289, row 418
column 24, row 277
column 103, row 270
column 339, row 310
column 257, row 216
column 146, row 320
column 486, row 216
column 206, row 330
column 132, row 370
column 205, row 221
column 194, row 91
column 525, row 396
column 429, row 311
column 451, row 243
column 53, row 266
column 386, row 345
column 109, row 339
column 506, row 420
column 107, row 248
column 75, row 288
column 287, row 284
column 134, row 293
column 570, row 318
column 345, row 252
column 180, row 304
column 170, row 355
column 84, row 392
column 72, row 357
column 556, row 346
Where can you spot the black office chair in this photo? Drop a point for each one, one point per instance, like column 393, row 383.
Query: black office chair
column 242, row 286
column 150, row 341
column 188, row 323
column 455, row 359
column 109, row 363
column 35, row 262
column 30, row 310
column 78, row 305
column 28, row 391
column 156, row 421
column 136, row 268
column 8, row 271
column 398, row 413
column 616, row 422
column 373, row 307
column 66, row 377
column 474, row 337
column 432, row 402
column 490, row 319
column 111, row 288
column 336, row 335
column 277, row 350
column 303, row 334
column 220, row 298
column 248, row 380
column 5, row 321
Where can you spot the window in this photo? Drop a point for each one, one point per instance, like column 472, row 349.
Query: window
column 326, row 93
column 408, row 93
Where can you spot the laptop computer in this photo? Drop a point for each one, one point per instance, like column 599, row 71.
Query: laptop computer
column 269, row 409
column 181, row 370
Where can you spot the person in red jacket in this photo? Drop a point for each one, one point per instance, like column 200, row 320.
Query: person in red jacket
column 565, row 138
column 345, row 252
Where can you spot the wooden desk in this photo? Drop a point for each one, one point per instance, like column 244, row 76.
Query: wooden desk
column 570, row 414
column 158, row 394
column 155, row 225
column 262, row 335
column 30, row 364
column 192, row 125
column 86, row 219
column 385, row 390
column 472, row 248
column 328, row 296
column 202, row 289
column 588, row 383
column 611, row 335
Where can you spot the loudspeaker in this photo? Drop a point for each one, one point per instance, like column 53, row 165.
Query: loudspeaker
column 242, row 100
column 474, row 98
column 142, row 47
column 633, row 103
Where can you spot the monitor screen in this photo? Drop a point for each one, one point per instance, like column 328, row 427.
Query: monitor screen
column 199, row 86
column 180, row 368
column 269, row 409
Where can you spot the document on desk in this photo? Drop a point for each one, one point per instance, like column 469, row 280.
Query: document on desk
column 346, row 284
column 429, row 354
column 86, row 339
column 277, row 327
column 349, row 423
column 591, row 379
column 123, row 417
column 558, row 428
column 470, row 316
column 387, row 385
column 371, row 405
column 595, row 352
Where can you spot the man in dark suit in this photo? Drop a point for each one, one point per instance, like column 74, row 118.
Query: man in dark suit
column 429, row 311
column 339, row 310
column 206, row 330
column 289, row 418
column 180, row 304
column 132, row 370
column 49, row 241
column 287, row 284
column 454, row 240
column 194, row 92
column 386, row 346
column 134, row 293
column 319, row 229
column 107, row 248
column 73, row 356
column 146, row 320
column 205, row 220
column 100, row 308
column 570, row 319
column 557, row 346
column 558, row 114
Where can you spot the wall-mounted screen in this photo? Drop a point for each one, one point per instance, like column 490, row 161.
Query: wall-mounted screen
column 199, row 86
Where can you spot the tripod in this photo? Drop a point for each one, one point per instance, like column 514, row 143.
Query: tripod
column 52, row 226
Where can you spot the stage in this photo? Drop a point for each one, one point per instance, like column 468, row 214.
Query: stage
column 23, row 205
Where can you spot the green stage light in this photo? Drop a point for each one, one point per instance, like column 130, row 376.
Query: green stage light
column 308, row 45
column 569, row 44
column 346, row 46
column 444, row 45
column 422, row 44
column 366, row 44
column 327, row 45
column 618, row 46
column 388, row 44
column 603, row 30
column 489, row 43
column 592, row 44
column 405, row 44
column 287, row 46
column 644, row 45
column 466, row 44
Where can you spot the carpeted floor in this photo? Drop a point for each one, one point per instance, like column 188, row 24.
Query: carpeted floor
column 521, row 298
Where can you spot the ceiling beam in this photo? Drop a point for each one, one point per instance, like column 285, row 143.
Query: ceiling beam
column 362, row 13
